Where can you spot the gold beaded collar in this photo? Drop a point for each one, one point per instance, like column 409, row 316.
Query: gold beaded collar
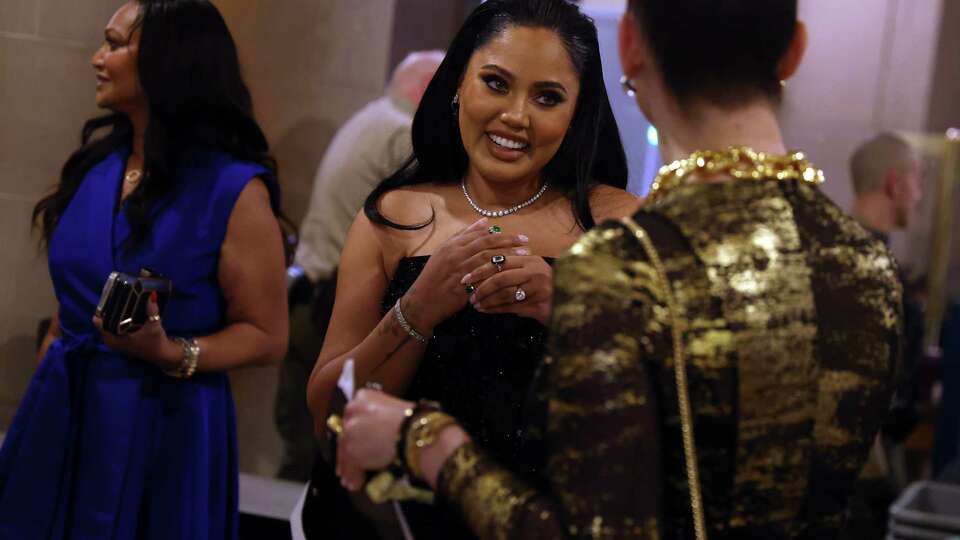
column 738, row 162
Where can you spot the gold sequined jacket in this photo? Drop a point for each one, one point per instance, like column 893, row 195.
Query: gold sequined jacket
column 790, row 316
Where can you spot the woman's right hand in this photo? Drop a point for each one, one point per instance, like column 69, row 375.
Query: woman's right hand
column 437, row 293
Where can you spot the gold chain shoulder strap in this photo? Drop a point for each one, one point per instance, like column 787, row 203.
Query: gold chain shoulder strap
column 680, row 369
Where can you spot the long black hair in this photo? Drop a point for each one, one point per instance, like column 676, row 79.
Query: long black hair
column 189, row 70
column 591, row 152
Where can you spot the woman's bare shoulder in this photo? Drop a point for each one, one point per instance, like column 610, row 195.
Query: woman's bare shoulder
column 424, row 208
column 412, row 205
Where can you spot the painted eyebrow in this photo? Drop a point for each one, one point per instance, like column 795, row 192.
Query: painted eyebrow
column 539, row 84
column 110, row 33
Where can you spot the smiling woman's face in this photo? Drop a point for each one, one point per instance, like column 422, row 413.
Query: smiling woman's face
column 115, row 62
column 517, row 99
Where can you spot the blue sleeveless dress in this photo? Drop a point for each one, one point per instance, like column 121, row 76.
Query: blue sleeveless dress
column 105, row 446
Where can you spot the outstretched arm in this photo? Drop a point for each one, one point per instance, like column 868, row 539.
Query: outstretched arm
column 600, row 434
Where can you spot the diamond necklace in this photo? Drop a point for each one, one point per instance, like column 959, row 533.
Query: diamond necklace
column 506, row 211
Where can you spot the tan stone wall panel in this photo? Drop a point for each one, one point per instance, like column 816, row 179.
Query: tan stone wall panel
column 310, row 65
column 47, row 95
column 81, row 21
column 18, row 16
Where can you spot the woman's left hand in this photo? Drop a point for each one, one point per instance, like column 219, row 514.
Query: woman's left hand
column 371, row 426
column 523, row 285
column 149, row 343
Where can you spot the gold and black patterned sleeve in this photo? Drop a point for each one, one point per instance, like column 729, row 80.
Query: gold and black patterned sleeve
column 600, row 434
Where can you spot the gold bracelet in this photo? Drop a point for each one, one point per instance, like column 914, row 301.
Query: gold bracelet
column 188, row 364
column 423, row 432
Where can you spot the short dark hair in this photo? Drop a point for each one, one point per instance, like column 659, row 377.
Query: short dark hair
column 726, row 52
column 591, row 152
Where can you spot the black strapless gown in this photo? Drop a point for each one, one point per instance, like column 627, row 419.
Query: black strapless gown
column 480, row 368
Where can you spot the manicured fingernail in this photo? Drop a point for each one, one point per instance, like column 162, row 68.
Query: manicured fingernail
column 473, row 298
column 153, row 297
column 523, row 238
column 522, row 251
column 465, row 280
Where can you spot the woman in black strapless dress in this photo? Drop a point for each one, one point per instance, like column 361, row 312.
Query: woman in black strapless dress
column 515, row 129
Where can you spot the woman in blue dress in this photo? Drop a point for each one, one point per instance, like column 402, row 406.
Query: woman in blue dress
column 108, row 442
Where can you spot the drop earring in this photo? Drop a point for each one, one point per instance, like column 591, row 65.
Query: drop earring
column 626, row 83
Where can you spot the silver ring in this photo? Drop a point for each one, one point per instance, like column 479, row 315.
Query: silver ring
column 374, row 386
column 498, row 261
column 154, row 318
column 520, row 295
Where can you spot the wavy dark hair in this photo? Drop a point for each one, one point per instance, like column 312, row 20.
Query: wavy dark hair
column 190, row 73
column 591, row 152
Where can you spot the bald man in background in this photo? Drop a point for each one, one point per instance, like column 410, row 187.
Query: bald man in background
column 886, row 175
column 886, row 179
column 369, row 147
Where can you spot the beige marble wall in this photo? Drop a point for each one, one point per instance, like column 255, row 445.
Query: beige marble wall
column 310, row 65
column 46, row 92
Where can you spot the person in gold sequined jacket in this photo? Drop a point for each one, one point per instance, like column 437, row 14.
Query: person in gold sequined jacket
column 718, row 364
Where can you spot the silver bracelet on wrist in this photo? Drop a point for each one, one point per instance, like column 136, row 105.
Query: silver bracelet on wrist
column 188, row 364
column 406, row 326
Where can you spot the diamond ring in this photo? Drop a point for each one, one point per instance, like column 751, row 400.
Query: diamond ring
column 520, row 296
column 498, row 261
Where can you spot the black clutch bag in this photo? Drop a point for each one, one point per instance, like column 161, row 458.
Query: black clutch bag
column 123, row 302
